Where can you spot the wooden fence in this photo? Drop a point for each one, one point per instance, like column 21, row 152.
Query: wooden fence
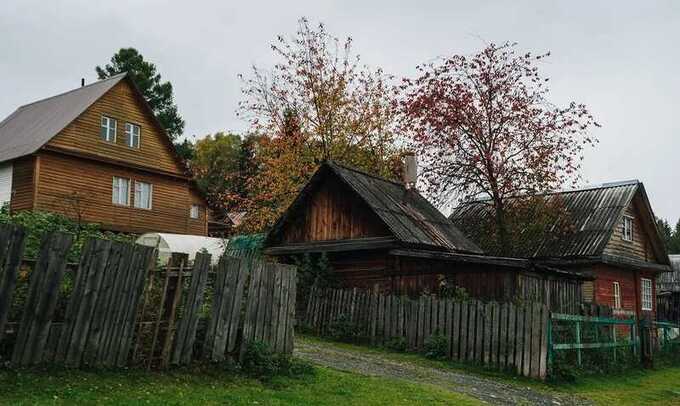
column 123, row 310
column 504, row 336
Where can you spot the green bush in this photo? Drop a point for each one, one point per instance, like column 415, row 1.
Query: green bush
column 261, row 362
column 398, row 344
column 38, row 223
column 436, row 346
column 343, row 329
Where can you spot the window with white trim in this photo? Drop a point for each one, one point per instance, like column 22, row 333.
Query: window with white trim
column 132, row 133
column 195, row 211
column 143, row 195
column 121, row 191
column 646, row 287
column 628, row 228
column 617, row 295
column 108, row 129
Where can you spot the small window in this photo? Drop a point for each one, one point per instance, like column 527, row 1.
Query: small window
column 143, row 192
column 646, row 286
column 108, row 130
column 121, row 191
column 617, row 295
column 628, row 228
column 194, row 213
column 132, row 132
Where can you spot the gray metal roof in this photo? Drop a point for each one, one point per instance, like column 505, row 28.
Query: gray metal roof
column 670, row 281
column 594, row 213
column 408, row 215
column 31, row 126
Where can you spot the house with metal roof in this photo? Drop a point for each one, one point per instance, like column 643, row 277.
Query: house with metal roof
column 98, row 154
column 613, row 237
column 384, row 235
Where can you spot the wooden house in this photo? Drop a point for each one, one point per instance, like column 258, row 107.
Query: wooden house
column 98, row 155
column 380, row 234
column 668, row 292
column 614, row 239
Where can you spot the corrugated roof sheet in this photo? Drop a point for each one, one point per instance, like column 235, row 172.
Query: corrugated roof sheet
column 31, row 126
column 594, row 214
column 670, row 281
column 408, row 215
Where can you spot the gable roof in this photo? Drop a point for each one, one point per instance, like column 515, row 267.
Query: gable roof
column 594, row 212
column 409, row 216
column 33, row 125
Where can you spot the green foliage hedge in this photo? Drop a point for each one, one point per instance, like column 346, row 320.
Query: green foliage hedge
column 39, row 223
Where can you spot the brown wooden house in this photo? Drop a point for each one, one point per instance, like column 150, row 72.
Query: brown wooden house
column 99, row 155
column 382, row 235
column 614, row 239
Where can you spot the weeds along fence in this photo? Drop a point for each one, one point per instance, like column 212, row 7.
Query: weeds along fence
column 503, row 336
column 593, row 343
column 118, row 308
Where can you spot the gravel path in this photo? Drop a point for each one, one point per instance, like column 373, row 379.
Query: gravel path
column 486, row 390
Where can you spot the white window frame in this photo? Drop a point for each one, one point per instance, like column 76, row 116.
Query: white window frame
column 106, row 122
column 138, row 194
column 116, row 187
column 627, row 228
column 197, row 213
column 131, row 136
column 646, row 294
column 617, row 294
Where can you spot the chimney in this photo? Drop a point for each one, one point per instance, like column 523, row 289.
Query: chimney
column 410, row 170
column 82, row 82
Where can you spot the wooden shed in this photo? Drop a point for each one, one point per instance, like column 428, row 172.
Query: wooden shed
column 381, row 235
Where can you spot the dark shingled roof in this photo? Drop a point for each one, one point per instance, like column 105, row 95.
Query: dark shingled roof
column 408, row 215
column 594, row 212
column 31, row 126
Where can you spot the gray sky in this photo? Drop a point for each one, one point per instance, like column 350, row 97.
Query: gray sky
column 619, row 57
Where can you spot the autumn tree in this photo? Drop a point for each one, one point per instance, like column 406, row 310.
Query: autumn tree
column 483, row 126
column 317, row 103
column 158, row 94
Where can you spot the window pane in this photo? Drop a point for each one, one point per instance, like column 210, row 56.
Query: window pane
column 121, row 191
column 194, row 212
column 143, row 193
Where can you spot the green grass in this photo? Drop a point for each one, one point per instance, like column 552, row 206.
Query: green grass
column 638, row 387
column 212, row 386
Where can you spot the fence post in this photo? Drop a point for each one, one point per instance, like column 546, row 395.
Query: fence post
column 578, row 342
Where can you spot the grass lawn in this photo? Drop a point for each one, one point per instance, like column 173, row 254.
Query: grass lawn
column 213, row 386
column 639, row 387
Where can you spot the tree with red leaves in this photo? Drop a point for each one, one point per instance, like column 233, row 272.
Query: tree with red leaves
column 483, row 126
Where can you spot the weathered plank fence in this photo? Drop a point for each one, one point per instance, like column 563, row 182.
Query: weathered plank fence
column 504, row 336
column 123, row 310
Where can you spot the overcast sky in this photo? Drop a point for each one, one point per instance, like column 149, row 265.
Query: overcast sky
column 619, row 58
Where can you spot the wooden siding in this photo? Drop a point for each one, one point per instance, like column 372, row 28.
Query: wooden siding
column 629, row 283
column 639, row 248
column 23, row 190
column 333, row 212
column 83, row 188
column 122, row 104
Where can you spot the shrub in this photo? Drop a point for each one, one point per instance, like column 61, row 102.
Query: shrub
column 343, row 329
column 436, row 346
column 261, row 362
column 398, row 344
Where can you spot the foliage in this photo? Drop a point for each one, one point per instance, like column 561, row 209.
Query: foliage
column 483, row 125
column 398, row 344
column 436, row 346
column 317, row 103
column 670, row 236
column 448, row 289
column 157, row 93
column 344, row 329
column 38, row 223
column 185, row 150
column 252, row 242
column 312, row 271
column 261, row 362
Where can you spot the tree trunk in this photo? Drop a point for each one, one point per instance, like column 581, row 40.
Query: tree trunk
column 501, row 227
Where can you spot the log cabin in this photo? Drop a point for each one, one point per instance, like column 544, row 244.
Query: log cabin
column 383, row 235
column 614, row 239
column 98, row 154
column 668, row 292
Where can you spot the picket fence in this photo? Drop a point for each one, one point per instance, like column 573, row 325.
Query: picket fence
column 504, row 336
column 111, row 320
